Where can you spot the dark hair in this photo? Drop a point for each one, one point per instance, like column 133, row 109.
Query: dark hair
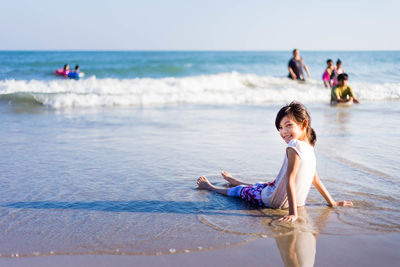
column 329, row 61
column 76, row 67
column 294, row 50
column 342, row 76
column 65, row 66
column 299, row 113
column 338, row 61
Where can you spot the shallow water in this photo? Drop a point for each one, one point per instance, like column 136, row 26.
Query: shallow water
column 122, row 180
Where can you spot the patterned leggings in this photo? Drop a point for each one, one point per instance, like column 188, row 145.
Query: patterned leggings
column 251, row 193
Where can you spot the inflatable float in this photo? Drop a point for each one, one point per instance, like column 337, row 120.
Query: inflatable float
column 62, row 72
column 69, row 74
column 75, row 75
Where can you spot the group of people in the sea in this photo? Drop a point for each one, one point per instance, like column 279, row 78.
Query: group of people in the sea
column 331, row 73
column 68, row 73
column 333, row 77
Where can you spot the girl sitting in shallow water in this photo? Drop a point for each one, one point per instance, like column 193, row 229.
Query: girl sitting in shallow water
column 292, row 184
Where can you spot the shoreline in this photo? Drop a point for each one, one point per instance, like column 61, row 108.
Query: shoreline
column 357, row 250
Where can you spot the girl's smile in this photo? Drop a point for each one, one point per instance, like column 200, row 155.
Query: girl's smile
column 289, row 129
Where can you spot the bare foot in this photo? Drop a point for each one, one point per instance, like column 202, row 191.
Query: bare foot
column 203, row 183
column 228, row 177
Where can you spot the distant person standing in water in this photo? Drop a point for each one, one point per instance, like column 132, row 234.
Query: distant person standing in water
column 296, row 65
column 336, row 72
column 326, row 77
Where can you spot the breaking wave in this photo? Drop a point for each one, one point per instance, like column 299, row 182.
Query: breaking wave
column 223, row 88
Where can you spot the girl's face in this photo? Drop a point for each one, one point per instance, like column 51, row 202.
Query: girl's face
column 290, row 129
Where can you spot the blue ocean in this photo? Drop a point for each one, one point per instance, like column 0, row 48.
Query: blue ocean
column 162, row 78
column 107, row 164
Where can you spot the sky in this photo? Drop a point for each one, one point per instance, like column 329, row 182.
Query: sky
column 199, row 25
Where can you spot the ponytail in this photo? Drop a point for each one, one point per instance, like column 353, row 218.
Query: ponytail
column 311, row 136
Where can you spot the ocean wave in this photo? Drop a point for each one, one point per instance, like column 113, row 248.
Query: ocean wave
column 223, row 88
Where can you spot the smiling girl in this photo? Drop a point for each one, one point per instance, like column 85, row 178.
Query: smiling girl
column 292, row 184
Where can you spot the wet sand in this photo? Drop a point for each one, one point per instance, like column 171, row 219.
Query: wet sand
column 357, row 250
column 131, row 189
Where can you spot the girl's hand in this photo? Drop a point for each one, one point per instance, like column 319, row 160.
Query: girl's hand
column 288, row 218
column 343, row 203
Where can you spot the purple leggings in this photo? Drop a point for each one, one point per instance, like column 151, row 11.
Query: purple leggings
column 250, row 193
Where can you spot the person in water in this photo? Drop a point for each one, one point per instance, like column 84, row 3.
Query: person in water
column 335, row 73
column 342, row 93
column 74, row 74
column 296, row 66
column 292, row 184
column 326, row 77
column 66, row 70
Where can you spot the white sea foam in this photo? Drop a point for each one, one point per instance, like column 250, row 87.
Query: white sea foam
column 224, row 88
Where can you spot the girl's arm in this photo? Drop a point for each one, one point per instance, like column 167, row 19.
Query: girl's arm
column 293, row 165
column 324, row 192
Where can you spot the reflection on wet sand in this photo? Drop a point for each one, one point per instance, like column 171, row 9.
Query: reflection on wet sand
column 297, row 244
column 297, row 249
column 341, row 116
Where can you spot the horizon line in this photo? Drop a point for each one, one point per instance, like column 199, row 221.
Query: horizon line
column 189, row 50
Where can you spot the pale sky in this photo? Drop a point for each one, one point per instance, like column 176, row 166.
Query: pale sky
column 199, row 25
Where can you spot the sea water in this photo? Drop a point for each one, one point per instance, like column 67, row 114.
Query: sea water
column 107, row 164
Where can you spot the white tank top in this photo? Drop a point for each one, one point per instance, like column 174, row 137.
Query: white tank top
column 275, row 196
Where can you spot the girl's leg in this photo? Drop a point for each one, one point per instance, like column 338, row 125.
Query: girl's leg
column 203, row 183
column 248, row 193
column 233, row 181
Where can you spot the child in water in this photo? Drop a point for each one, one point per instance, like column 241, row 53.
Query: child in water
column 342, row 93
column 74, row 74
column 326, row 77
column 64, row 71
column 298, row 172
column 335, row 73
